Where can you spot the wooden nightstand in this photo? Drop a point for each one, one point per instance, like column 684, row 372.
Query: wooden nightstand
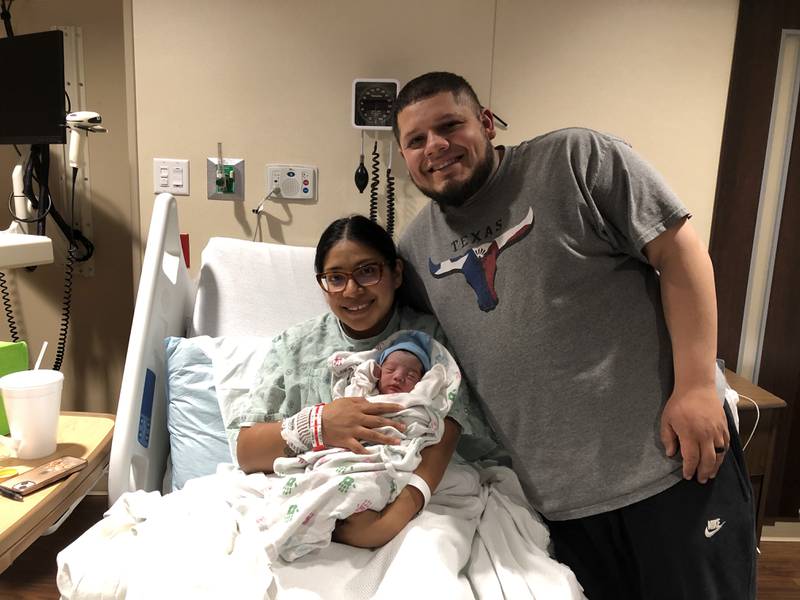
column 86, row 435
column 759, row 452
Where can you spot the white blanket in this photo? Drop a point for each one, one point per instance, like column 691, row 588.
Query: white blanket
column 475, row 540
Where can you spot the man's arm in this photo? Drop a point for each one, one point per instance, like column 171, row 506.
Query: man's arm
column 371, row 529
column 693, row 416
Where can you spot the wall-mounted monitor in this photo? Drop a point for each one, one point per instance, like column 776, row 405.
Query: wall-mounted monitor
column 32, row 101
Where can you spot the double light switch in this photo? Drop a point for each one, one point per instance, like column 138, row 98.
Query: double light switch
column 171, row 175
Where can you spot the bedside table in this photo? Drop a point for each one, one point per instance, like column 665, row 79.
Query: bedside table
column 85, row 435
column 761, row 449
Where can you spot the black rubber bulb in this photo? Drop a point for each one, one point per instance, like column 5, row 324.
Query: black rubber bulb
column 361, row 177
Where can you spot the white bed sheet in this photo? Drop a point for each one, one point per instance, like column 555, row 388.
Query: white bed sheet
column 476, row 539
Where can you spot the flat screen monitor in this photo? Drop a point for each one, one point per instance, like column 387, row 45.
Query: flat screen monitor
column 32, row 97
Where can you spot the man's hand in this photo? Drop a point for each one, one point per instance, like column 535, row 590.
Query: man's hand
column 695, row 421
column 346, row 422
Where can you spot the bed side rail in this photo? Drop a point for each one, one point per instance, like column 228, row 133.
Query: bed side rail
column 163, row 308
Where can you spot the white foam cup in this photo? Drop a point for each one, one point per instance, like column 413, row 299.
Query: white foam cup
column 33, row 401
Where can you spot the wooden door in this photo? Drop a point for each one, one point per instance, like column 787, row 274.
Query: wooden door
column 779, row 370
column 739, row 183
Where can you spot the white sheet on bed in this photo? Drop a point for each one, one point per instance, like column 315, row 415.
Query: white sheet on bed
column 183, row 545
column 475, row 540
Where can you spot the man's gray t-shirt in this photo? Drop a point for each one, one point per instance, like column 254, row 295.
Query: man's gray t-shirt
column 540, row 284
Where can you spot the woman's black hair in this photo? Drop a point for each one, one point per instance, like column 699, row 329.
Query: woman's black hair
column 356, row 228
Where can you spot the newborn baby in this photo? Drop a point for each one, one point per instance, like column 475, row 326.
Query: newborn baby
column 400, row 367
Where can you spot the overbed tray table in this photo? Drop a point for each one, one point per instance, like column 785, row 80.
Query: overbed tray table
column 81, row 434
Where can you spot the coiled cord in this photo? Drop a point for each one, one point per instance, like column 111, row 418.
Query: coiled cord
column 390, row 194
column 389, row 202
column 66, row 304
column 373, row 184
column 12, row 324
column 69, row 269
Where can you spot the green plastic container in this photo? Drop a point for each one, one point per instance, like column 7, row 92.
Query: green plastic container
column 13, row 358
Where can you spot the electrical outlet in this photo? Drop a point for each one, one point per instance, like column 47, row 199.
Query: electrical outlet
column 171, row 175
column 292, row 182
column 227, row 184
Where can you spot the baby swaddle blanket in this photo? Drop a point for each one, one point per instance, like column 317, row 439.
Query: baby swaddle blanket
column 318, row 488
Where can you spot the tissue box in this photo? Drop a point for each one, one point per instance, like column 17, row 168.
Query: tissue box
column 13, row 358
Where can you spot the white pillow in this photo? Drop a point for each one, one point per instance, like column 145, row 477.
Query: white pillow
column 203, row 374
column 235, row 365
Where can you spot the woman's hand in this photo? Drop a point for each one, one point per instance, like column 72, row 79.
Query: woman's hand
column 363, row 530
column 346, row 422
column 371, row 529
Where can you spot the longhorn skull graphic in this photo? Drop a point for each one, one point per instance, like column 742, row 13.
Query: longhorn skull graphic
column 479, row 264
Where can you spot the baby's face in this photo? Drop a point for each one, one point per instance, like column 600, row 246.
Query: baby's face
column 400, row 372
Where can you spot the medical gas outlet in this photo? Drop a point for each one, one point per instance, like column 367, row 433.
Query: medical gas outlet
column 291, row 182
column 225, row 179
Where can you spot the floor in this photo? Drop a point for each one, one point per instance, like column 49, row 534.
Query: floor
column 32, row 576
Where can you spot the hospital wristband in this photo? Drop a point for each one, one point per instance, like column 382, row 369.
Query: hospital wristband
column 423, row 487
column 305, row 426
column 297, row 430
column 290, row 436
column 317, row 429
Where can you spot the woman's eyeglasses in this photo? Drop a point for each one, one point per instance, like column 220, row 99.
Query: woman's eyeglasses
column 365, row 275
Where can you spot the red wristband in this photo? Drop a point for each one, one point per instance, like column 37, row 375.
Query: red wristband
column 317, row 429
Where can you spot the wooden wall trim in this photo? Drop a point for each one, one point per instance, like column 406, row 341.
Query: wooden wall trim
column 744, row 145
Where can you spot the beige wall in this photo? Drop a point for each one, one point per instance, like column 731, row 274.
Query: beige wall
column 271, row 80
column 652, row 72
column 102, row 304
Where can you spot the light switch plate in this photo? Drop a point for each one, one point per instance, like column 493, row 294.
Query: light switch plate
column 171, row 175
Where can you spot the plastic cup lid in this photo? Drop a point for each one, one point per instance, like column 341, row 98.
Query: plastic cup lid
column 30, row 379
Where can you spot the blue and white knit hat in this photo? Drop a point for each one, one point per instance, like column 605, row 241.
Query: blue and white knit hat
column 415, row 342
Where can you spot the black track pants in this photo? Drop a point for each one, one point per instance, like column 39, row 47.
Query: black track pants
column 692, row 541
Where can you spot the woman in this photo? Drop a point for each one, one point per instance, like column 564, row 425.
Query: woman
column 359, row 272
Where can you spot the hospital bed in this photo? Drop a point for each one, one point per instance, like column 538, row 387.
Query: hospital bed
column 476, row 539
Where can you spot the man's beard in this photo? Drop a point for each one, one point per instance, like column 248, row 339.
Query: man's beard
column 456, row 194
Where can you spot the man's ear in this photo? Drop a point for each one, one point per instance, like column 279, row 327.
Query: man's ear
column 487, row 120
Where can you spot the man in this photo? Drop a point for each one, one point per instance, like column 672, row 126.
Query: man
column 581, row 305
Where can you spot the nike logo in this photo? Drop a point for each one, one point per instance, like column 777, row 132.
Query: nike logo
column 713, row 527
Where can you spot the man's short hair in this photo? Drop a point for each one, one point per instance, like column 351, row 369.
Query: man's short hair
column 428, row 85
